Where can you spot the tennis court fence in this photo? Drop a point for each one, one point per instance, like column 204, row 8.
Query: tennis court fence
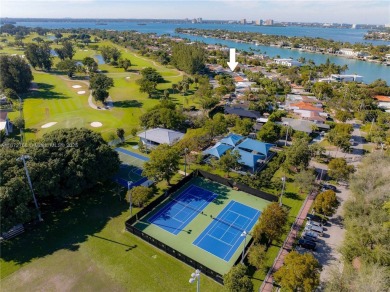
column 189, row 261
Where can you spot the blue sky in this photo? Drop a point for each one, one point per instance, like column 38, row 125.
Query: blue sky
column 347, row 11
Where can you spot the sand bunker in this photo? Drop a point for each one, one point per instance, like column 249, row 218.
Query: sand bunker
column 76, row 86
column 128, row 77
column 81, row 92
column 96, row 124
column 48, row 125
column 85, row 50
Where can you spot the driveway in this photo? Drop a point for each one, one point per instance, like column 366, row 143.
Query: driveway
column 328, row 246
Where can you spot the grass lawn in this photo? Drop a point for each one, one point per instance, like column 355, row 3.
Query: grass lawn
column 56, row 101
column 86, row 248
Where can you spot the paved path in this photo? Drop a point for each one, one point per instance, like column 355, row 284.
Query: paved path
column 288, row 244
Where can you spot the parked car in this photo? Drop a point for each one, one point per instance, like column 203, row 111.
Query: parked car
column 329, row 187
column 307, row 244
column 314, row 228
column 316, row 218
column 308, row 238
column 316, row 223
column 310, row 234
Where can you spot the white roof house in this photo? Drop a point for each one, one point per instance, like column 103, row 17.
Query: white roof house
column 5, row 124
column 157, row 136
column 288, row 62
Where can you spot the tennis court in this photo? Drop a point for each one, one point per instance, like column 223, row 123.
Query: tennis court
column 204, row 220
column 130, row 172
column 222, row 237
column 183, row 209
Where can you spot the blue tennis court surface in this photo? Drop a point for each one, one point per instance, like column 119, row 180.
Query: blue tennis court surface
column 175, row 216
column 223, row 236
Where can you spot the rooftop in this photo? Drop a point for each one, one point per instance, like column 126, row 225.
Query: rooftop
column 382, row 98
column 161, row 136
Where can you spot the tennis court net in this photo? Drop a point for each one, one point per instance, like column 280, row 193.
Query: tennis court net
column 185, row 205
column 230, row 224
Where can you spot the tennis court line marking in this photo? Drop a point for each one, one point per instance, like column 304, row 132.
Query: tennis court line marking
column 129, row 153
column 214, row 227
column 198, row 210
column 239, row 237
column 185, row 193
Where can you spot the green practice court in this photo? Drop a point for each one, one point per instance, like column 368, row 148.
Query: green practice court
column 204, row 220
column 130, row 172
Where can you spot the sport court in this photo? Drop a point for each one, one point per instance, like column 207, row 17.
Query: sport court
column 130, row 172
column 180, row 211
column 204, row 220
column 223, row 236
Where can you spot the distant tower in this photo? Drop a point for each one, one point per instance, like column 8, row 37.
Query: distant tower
column 243, row 21
column 200, row 20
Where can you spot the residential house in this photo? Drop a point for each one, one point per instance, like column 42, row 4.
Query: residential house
column 383, row 102
column 154, row 137
column 288, row 62
column 5, row 123
column 242, row 113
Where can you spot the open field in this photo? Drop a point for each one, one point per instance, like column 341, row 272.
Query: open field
column 86, row 248
column 55, row 100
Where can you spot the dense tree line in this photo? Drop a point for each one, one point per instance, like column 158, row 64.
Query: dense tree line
column 366, row 248
column 188, row 58
column 15, row 74
column 63, row 163
column 39, row 55
column 165, row 115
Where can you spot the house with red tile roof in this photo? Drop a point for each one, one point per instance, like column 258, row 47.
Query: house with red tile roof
column 383, row 102
column 305, row 109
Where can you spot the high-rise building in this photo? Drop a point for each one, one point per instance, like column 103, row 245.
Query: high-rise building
column 269, row 22
column 243, row 21
column 200, row 20
column 259, row 22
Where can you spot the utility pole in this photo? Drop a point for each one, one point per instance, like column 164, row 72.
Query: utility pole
column 23, row 158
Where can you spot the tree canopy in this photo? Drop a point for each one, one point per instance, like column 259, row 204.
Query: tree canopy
column 62, row 163
column 189, row 58
column 163, row 115
column 100, row 84
column 271, row 223
column 237, row 280
column 39, row 55
column 300, row 272
column 325, row 203
column 339, row 169
column 270, row 132
column 163, row 163
column 140, row 195
column 15, row 74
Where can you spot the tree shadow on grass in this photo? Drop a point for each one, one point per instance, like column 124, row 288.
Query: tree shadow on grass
column 45, row 91
column 127, row 103
column 67, row 223
column 293, row 196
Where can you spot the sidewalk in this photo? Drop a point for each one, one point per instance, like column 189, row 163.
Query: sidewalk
column 267, row 285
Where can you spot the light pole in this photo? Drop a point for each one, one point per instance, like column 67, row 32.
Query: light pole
column 286, row 125
column 195, row 277
column 130, row 198
column 185, row 161
column 23, row 158
column 20, row 116
column 146, row 142
column 281, row 195
column 243, row 234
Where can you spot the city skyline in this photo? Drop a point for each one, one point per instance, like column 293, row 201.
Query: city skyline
column 360, row 12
